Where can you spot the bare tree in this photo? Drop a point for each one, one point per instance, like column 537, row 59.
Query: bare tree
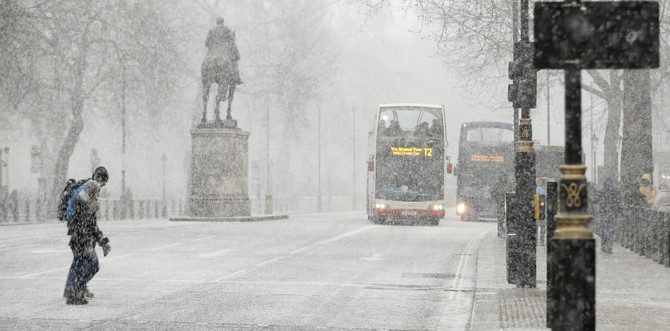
column 611, row 91
column 71, row 53
column 473, row 36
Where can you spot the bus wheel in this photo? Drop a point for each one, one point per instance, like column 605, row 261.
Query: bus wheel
column 435, row 221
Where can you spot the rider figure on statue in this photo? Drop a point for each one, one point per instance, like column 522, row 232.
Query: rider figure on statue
column 221, row 46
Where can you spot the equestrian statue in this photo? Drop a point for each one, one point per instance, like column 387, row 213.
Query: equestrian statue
column 220, row 67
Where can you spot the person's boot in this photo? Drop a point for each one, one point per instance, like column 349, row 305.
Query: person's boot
column 77, row 299
column 87, row 293
column 238, row 80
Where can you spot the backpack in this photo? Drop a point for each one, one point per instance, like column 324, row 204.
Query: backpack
column 66, row 197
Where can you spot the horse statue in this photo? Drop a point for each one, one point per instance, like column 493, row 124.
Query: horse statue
column 221, row 70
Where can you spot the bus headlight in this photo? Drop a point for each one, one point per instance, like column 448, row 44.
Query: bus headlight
column 461, row 208
column 380, row 206
column 438, row 207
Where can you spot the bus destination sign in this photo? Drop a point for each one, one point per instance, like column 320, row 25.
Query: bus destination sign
column 412, row 151
column 487, row 158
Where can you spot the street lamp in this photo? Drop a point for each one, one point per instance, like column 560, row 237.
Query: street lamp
column 571, row 298
column 4, row 165
column 164, row 161
column 1, row 164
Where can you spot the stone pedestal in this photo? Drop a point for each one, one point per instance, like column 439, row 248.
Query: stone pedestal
column 219, row 173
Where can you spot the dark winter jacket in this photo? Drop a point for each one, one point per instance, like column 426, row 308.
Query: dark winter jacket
column 499, row 189
column 608, row 198
column 84, row 226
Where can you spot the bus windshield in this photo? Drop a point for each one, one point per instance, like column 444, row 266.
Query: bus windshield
column 410, row 121
column 489, row 136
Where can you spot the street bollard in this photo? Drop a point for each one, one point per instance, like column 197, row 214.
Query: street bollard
column 654, row 240
column 648, row 244
column 27, row 210
column 627, row 229
column 511, row 243
column 665, row 240
column 641, row 222
column 638, row 239
column 552, row 208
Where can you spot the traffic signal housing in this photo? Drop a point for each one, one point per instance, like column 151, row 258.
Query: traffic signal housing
column 523, row 90
column 540, row 206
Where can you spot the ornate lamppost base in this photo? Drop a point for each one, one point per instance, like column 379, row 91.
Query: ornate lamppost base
column 572, row 296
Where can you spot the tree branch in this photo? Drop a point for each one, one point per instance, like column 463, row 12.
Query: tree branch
column 594, row 91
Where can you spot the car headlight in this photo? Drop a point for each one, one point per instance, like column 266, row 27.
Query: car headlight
column 380, row 206
column 438, row 207
column 460, row 209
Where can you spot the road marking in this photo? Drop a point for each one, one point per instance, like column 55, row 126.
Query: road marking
column 300, row 250
column 14, row 247
column 462, row 264
column 164, row 247
column 51, row 251
column 68, row 267
column 332, row 239
column 201, row 239
column 271, row 260
column 195, row 281
column 21, row 238
column 374, row 257
column 230, row 275
column 217, row 253
column 97, row 325
column 344, row 235
column 107, row 259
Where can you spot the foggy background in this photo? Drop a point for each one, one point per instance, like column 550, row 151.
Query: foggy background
column 299, row 58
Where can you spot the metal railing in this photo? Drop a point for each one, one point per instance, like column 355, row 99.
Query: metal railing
column 33, row 211
column 642, row 230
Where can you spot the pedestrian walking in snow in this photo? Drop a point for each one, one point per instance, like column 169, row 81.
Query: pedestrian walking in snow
column 81, row 213
column 608, row 199
column 85, row 235
column 662, row 201
column 648, row 189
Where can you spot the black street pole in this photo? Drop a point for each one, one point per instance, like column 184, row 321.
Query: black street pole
column 318, row 153
column 124, row 196
column 164, row 161
column 563, row 41
column 353, row 150
column 573, row 261
column 1, row 166
column 526, row 228
column 512, row 200
column 515, row 37
column 268, row 184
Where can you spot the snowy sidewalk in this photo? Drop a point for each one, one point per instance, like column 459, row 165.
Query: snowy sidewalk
column 631, row 291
